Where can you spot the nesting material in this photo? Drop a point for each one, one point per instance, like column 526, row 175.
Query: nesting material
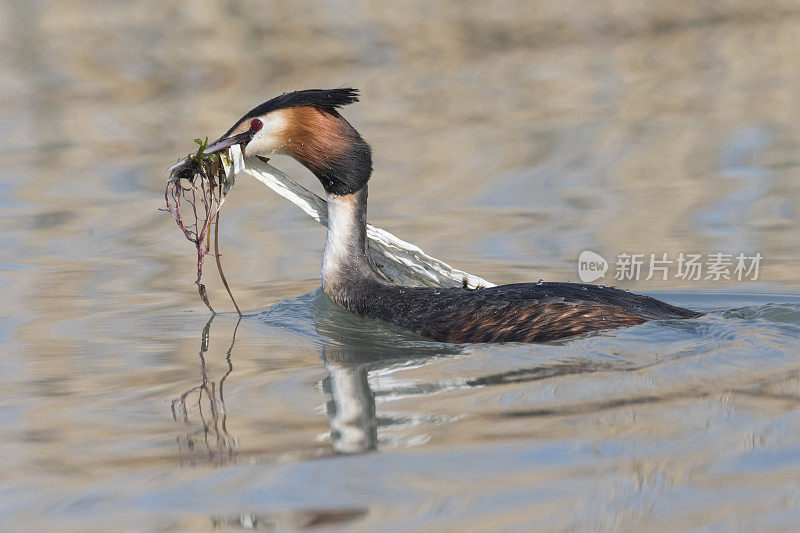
column 401, row 262
column 195, row 191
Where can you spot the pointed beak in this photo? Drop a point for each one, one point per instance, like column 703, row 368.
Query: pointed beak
column 226, row 142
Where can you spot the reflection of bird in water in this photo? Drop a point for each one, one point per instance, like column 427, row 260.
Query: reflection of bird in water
column 351, row 354
column 307, row 126
column 354, row 426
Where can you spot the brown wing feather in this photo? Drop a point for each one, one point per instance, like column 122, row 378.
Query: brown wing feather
column 536, row 323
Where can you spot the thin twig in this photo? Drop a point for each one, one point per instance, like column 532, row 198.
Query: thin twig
column 219, row 261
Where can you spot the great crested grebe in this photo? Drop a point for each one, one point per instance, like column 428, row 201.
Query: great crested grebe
column 307, row 126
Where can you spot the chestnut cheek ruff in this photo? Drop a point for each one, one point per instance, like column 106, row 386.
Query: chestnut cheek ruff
column 325, row 143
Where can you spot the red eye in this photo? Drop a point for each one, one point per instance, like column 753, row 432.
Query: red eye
column 256, row 124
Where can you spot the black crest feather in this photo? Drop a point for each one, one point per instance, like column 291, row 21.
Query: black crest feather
column 325, row 98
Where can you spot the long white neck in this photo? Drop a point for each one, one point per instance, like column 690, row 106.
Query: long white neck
column 346, row 261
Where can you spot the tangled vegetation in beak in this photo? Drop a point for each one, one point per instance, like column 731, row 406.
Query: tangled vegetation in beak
column 194, row 195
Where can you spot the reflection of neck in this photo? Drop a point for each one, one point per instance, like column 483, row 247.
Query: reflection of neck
column 354, row 426
column 346, row 261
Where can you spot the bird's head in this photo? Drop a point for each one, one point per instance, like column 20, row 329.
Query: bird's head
column 307, row 126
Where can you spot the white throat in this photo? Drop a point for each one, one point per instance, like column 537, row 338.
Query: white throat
column 346, row 251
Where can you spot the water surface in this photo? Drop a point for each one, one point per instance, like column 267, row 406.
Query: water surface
column 506, row 142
